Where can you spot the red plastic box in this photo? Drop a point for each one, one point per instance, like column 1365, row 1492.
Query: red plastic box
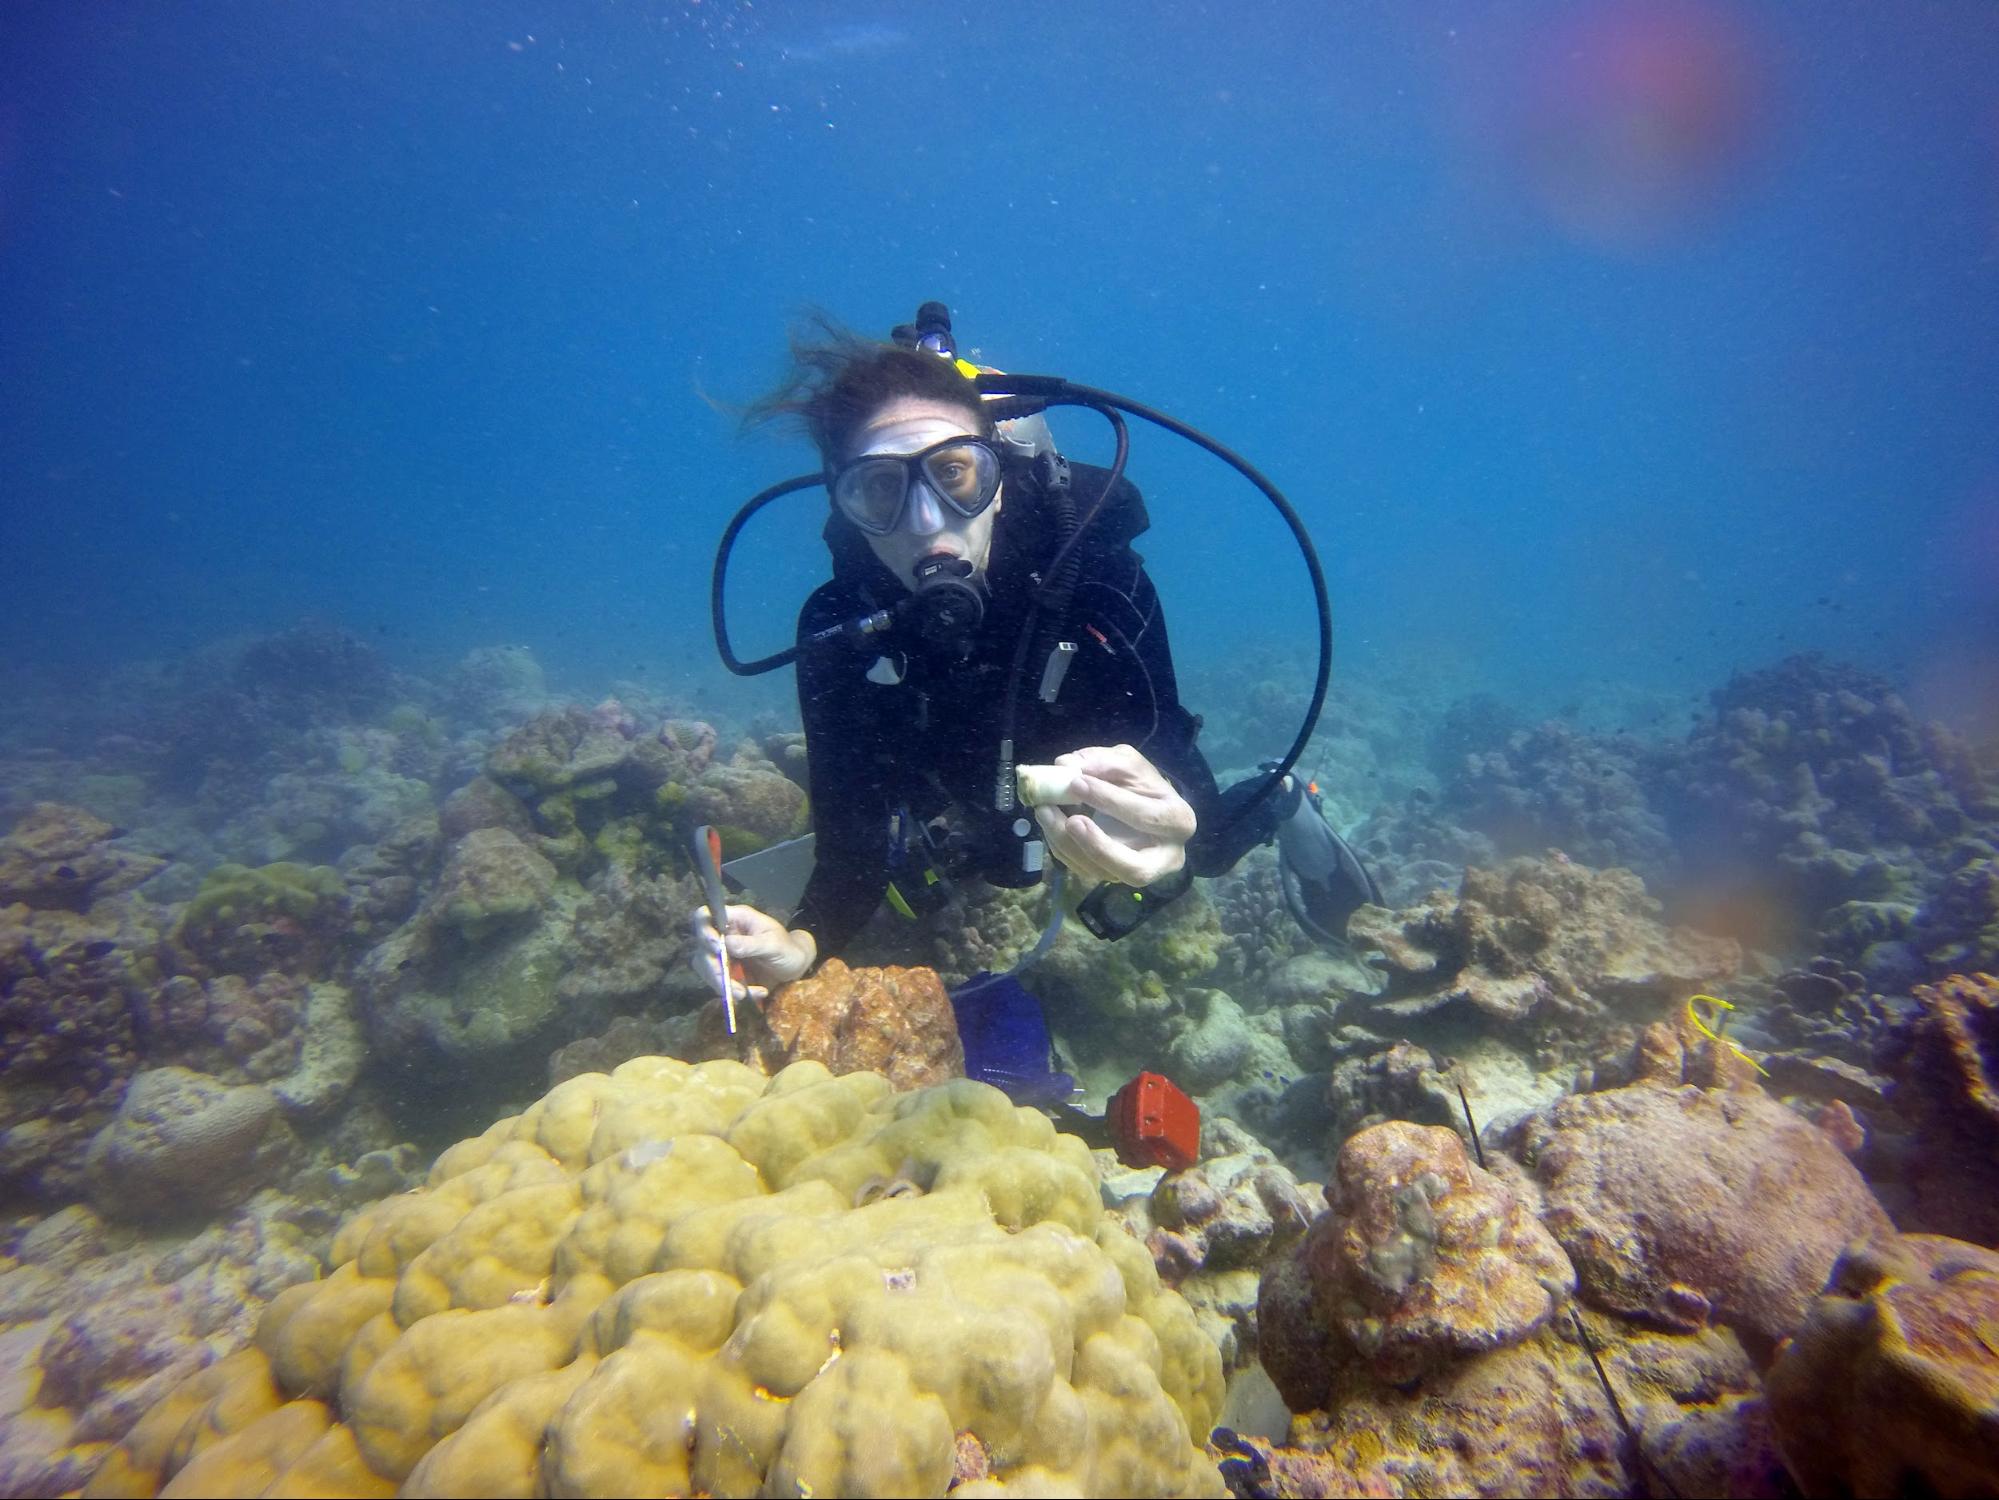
column 1153, row 1124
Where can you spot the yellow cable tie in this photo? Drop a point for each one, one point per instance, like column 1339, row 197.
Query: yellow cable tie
column 1705, row 1025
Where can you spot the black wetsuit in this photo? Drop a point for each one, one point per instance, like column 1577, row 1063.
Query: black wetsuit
column 930, row 741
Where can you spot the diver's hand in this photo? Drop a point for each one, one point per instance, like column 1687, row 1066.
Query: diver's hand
column 1134, row 827
column 770, row 954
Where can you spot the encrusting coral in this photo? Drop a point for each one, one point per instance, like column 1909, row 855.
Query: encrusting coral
column 892, row 1021
column 688, row 1279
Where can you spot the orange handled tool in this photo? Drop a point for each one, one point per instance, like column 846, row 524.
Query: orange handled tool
column 708, row 860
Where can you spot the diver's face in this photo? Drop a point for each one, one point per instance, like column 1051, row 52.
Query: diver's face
column 909, row 424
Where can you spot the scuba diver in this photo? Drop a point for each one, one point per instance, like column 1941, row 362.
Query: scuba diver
column 986, row 683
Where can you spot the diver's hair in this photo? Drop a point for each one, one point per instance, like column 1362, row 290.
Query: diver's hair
column 839, row 380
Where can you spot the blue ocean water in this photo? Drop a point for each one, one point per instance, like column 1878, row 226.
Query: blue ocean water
column 1598, row 345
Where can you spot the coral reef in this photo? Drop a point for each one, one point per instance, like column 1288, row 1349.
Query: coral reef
column 496, row 686
column 1259, row 931
column 1815, row 785
column 70, row 930
column 1956, row 931
column 1564, row 952
column 67, row 1043
column 1554, row 787
column 681, row 1279
column 97, row 1324
column 1688, row 1196
column 190, row 1035
column 1891, row 1384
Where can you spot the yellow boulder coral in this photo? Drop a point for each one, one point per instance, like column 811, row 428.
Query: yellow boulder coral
column 676, row 1279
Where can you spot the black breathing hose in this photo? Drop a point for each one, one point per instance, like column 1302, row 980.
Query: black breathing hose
column 719, row 579
column 1026, row 395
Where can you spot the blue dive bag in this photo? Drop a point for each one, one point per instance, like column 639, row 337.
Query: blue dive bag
column 1006, row 1040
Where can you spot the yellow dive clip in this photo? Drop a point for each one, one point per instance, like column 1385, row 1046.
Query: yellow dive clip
column 1709, row 1025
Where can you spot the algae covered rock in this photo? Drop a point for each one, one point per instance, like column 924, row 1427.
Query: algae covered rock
column 491, row 882
column 682, row 1279
column 1212, row 1228
column 247, row 920
column 1532, row 1419
column 754, row 804
column 474, row 972
column 1683, row 1202
column 58, row 857
column 1215, row 1046
column 1421, row 1259
column 1891, row 1385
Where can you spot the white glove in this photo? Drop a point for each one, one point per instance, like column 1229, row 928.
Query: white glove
column 769, row 953
column 1131, row 827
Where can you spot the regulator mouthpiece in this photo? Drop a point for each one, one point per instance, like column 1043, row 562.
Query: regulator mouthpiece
column 950, row 599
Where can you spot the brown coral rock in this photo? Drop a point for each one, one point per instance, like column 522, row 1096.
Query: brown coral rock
column 1530, row 1419
column 1424, row 1258
column 183, row 1142
column 67, row 1043
column 1681, row 1204
column 1891, row 1386
column 1546, row 940
column 57, row 858
column 1946, row 1068
column 892, row 1021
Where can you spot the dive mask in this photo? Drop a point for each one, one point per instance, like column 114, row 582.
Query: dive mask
column 873, row 491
